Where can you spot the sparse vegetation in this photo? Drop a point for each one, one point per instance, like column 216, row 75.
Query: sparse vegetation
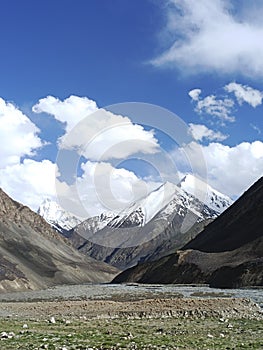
column 120, row 333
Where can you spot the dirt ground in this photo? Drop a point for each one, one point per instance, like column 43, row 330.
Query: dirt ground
column 122, row 333
column 149, row 308
column 129, row 322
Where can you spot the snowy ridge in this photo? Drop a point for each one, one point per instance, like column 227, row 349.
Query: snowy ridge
column 191, row 195
column 57, row 216
column 158, row 199
column 182, row 202
column 97, row 223
column 144, row 210
column 205, row 193
column 163, row 202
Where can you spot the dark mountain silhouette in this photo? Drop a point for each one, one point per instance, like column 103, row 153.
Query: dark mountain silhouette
column 239, row 224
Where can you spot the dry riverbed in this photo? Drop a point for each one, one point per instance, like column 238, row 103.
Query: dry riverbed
column 147, row 321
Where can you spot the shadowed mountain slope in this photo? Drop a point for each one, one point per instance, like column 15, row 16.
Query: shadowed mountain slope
column 33, row 255
column 239, row 224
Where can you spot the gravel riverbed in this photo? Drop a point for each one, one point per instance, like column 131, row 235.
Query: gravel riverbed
column 120, row 292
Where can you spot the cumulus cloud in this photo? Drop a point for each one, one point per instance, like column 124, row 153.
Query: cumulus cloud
column 114, row 188
column 194, row 94
column 231, row 170
column 102, row 187
column 70, row 111
column 103, row 135
column 219, row 109
column 213, row 36
column 201, row 132
column 244, row 93
column 97, row 133
column 18, row 135
column 29, row 182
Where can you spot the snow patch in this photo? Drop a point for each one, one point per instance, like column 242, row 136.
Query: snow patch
column 56, row 216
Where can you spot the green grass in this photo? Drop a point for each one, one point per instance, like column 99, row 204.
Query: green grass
column 165, row 333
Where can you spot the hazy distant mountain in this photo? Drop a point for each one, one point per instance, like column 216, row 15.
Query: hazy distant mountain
column 151, row 227
column 227, row 253
column 33, row 255
column 57, row 217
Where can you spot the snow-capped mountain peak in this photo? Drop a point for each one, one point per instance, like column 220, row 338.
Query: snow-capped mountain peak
column 56, row 216
column 205, row 193
column 141, row 212
column 191, row 194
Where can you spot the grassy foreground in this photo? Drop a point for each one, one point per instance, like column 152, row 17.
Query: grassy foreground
column 123, row 333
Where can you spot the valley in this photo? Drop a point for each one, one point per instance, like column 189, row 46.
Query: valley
column 55, row 272
column 131, row 175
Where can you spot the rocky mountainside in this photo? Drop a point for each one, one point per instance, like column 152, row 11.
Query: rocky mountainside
column 160, row 223
column 33, row 255
column 227, row 253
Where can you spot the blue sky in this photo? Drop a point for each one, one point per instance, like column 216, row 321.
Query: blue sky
column 120, row 51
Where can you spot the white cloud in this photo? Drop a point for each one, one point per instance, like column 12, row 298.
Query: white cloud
column 118, row 141
column 246, row 94
column 18, row 135
column 96, row 133
column 114, row 188
column 70, row 111
column 231, row 170
column 29, row 182
column 213, row 36
column 101, row 188
column 220, row 109
column 201, row 132
column 194, row 94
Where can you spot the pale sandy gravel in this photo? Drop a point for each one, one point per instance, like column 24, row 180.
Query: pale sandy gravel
column 177, row 307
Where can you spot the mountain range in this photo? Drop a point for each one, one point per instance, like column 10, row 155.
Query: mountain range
column 149, row 228
column 185, row 233
column 63, row 220
column 227, row 253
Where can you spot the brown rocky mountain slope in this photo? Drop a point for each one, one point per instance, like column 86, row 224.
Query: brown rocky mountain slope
column 33, row 255
column 228, row 253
